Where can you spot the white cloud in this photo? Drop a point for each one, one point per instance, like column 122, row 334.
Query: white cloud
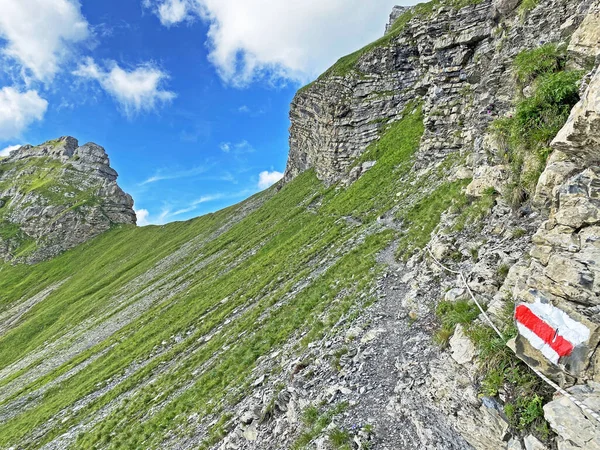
column 6, row 151
column 292, row 39
column 267, row 179
column 18, row 110
column 162, row 175
column 40, row 34
column 237, row 148
column 171, row 12
column 137, row 90
column 142, row 217
column 194, row 205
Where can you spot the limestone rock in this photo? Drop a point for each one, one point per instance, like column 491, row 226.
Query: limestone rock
column 505, row 7
column 532, row 443
column 397, row 11
column 579, row 200
column 514, row 444
column 574, row 428
column 559, row 168
column 580, row 137
column 463, row 350
column 486, row 177
column 78, row 199
column 251, row 433
column 585, row 42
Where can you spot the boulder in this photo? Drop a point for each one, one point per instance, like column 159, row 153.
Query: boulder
column 580, row 137
column 574, row 428
column 486, row 177
column 558, row 169
column 463, row 350
column 505, row 7
column 584, row 46
column 532, row 443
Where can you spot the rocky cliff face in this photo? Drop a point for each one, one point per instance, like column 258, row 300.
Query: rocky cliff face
column 459, row 62
column 55, row 196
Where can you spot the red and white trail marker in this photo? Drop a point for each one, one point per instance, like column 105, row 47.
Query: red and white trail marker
column 550, row 329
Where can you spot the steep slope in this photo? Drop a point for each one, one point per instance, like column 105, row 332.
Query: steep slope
column 321, row 313
column 56, row 196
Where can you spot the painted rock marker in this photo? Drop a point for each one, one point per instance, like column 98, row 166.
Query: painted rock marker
column 550, row 329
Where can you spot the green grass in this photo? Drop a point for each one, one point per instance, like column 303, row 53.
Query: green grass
column 548, row 58
column 243, row 272
column 340, row 439
column 525, row 136
column 421, row 219
column 375, row 192
column 315, row 421
column 472, row 210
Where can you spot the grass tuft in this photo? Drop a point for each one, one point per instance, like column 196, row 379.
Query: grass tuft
column 525, row 136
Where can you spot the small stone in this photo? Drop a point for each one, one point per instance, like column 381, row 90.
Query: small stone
column 463, row 350
column 454, row 294
column 258, row 381
column 532, row 443
column 250, row 433
column 514, row 444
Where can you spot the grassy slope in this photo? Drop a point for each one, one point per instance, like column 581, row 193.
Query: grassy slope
column 244, row 273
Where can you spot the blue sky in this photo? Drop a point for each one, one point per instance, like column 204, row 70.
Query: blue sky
column 190, row 98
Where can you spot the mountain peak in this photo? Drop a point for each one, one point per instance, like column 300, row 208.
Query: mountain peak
column 55, row 196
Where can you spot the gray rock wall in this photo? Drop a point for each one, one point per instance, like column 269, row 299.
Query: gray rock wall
column 457, row 62
column 55, row 196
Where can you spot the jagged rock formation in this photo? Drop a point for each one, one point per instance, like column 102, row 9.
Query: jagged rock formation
column 457, row 60
column 397, row 11
column 55, row 196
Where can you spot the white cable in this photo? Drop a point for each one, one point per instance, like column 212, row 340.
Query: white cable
column 537, row 372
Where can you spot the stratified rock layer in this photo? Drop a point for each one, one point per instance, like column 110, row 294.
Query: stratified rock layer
column 55, row 196
column 458, row 62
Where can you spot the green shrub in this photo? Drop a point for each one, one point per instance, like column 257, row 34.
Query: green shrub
column 530, row 64
column 461, row 312
column 339, row 438
column 525, row 137
column 502, row 272
column 526, row 7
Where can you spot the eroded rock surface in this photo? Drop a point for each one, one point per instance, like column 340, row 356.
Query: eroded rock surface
column 55, row 196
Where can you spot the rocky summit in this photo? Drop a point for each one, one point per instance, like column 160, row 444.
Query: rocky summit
column 55, row 196
column 425, row 276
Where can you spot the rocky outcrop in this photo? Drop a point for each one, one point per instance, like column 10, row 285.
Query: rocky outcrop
column 563, row 271
column 397, row 11
column 55, row 196
column 585, row 42
column 456, row 61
